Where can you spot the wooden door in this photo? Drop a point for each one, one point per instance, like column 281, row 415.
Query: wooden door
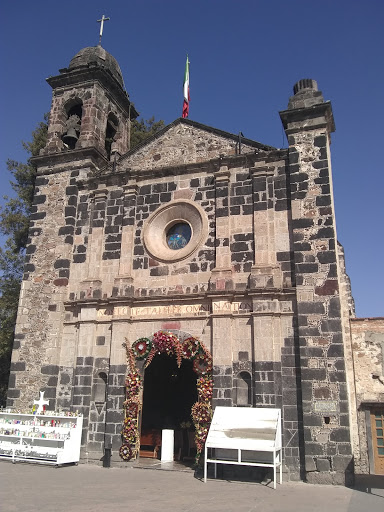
column 377, row 424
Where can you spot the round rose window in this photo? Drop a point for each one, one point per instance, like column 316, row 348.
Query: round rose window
column 175, row 231
column 178, row 236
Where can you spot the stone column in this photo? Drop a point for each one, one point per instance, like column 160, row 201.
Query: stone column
column 91, row 287
column 222, row 352
column 221, row 277
column 308, row 123
column 265, row 272
column 123, row 285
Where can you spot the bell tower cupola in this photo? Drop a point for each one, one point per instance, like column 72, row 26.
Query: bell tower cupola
column 90, row 107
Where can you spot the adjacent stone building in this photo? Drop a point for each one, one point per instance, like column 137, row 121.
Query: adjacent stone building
column 202, row 233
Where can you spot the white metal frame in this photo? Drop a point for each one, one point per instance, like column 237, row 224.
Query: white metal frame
column 255, row 430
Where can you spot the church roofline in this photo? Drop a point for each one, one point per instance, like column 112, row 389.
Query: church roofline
column 216, row 131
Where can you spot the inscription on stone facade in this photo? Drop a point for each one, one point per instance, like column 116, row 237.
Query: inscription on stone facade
column 172, row 310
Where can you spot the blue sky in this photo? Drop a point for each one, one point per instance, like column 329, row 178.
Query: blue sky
column 245, row 58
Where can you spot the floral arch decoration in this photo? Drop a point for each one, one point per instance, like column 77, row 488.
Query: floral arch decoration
column 145, row 349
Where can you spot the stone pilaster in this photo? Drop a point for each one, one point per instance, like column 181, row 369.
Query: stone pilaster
column 265, row 272
column 221, row 277
column 308, row 123
column 123, row 283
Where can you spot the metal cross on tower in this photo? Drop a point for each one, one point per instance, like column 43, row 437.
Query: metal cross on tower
column 103, row 18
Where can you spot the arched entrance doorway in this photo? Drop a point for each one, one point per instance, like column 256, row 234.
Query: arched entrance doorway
column 168, row 396
column 176, row 369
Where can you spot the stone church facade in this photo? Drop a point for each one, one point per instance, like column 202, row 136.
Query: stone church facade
column 258, row 275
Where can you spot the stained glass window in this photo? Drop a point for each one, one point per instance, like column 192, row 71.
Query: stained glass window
column 179, row 235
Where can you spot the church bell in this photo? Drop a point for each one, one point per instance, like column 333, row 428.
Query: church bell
column 70, row 137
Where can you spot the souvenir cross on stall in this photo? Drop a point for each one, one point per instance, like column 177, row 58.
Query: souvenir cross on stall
column 40, row 403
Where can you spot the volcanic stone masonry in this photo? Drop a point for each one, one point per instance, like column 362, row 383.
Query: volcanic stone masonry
column 261, row 281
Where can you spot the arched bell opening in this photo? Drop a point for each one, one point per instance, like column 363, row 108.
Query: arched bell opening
column 110, row 133
column 74, row 113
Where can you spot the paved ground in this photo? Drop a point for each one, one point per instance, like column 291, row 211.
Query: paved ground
column 88, row 488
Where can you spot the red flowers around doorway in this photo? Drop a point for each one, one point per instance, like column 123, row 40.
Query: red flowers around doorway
column 169, row 343
column 146, row 349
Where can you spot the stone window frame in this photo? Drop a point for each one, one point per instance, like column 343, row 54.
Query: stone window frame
column 159, row 223
column 100, row 383
column 239, row 379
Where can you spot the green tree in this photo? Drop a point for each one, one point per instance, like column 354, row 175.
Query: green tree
column 141, row 130
column 14, row 222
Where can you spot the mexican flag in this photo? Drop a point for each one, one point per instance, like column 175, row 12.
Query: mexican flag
column 186, row 90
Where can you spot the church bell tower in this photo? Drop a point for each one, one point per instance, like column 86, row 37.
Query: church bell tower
column 90, row 110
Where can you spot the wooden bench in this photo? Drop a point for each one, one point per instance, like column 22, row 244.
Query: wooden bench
column 150, row 443
column 236, row 430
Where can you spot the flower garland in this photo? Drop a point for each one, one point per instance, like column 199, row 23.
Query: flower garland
column 125, row 452
column 202, row 416
column 132, row 406
column 190, row 347
column 166, row 342
column 202, row 363
column 141, row 348
column 205, row 388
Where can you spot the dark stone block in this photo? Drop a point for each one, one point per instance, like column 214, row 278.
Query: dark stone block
column 288, row 361
column 159, row 271
column 79, row 258
column 223, row 212
column 284, row 256
column 335, row 350
column 62, row 264
column 66, row 230
column 302, row 246
column 326, row 256
column 307, row 268
column 138, row 250
column 313, row 374
column 37, row 216
column 320, row 164
column 323, row 200
column 302, row 223
column 31, row 249
column 327, row 232
column 49, row 393
column 50, row 370
column 282, row 205
column 100, row 340
column 13, row 393
column 39, row 199
column 52, row 381
column 290, row 413
column 340, row 435
column 311, row 308
column 320, row 141
column 40, row 181
column 331, row 325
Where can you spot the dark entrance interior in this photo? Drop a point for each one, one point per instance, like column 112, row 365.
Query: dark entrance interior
column 169, row 393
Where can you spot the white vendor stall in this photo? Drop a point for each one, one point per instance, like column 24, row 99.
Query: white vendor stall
column 245, row 436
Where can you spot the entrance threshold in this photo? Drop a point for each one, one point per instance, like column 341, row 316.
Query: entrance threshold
column 144, row 463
